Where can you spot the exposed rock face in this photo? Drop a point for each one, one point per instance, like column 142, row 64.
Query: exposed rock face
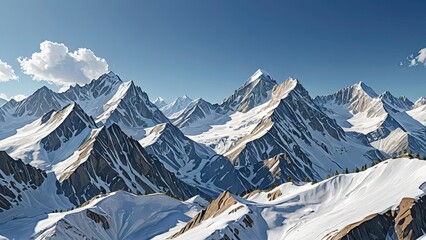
column 274, row 195
column 16, row 177
column 358, row 98
column 98, row 218
column 375, row 226
column 216, row 207
column 282, row 168
column 111, row 161
column 408, row 222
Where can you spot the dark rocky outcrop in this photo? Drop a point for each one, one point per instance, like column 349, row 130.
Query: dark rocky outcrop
column 216, row 207
column 24, row 177
column 98, row 218
column 408, row 222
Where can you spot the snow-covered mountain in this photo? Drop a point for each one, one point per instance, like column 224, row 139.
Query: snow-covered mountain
column 392, row 125
column 283, row 125
column 386, row 201
column 420, row 102
column 111, row 161
column 159, row 102
column 74, row 164
column 379, row 203
column 173, row 109
column 51, row 138
column 107, row 100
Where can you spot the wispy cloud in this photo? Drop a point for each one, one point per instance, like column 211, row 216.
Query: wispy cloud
column 419, row 58
column 6, row 72
column 56, row 64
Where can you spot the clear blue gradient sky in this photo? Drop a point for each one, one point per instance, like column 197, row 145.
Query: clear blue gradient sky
column 209, row 48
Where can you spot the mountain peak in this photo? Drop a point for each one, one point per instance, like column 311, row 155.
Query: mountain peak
column 365, row 88
column 282, row 90
column 420, row 102
column 110, row 77
column 259, row 74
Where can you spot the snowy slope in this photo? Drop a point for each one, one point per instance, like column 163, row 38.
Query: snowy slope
column 138, row 217
column 2, row 101
column 306, row 211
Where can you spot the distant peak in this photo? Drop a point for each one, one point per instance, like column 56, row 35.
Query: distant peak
column 184, row 98
column 420, row 102
column 159, row 99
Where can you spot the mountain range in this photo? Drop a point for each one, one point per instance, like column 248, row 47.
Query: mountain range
column 101, row 161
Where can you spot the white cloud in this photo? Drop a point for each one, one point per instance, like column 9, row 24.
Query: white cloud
column 6, row 72
column 18, row 97
column 419, row 58
column 56, row 64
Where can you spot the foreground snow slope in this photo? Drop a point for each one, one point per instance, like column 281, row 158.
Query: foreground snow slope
column 307, row 211
column 118, row 215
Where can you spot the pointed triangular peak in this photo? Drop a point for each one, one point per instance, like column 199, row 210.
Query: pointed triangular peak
column 260, row 74
column 366, row 89
column 71, row 112
column 254, row 92
column 110, row 77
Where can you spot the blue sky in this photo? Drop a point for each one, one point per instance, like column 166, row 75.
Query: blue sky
column 209, row 48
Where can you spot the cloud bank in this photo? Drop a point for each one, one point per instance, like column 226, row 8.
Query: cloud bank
column 6, row 72
column 57, row 65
